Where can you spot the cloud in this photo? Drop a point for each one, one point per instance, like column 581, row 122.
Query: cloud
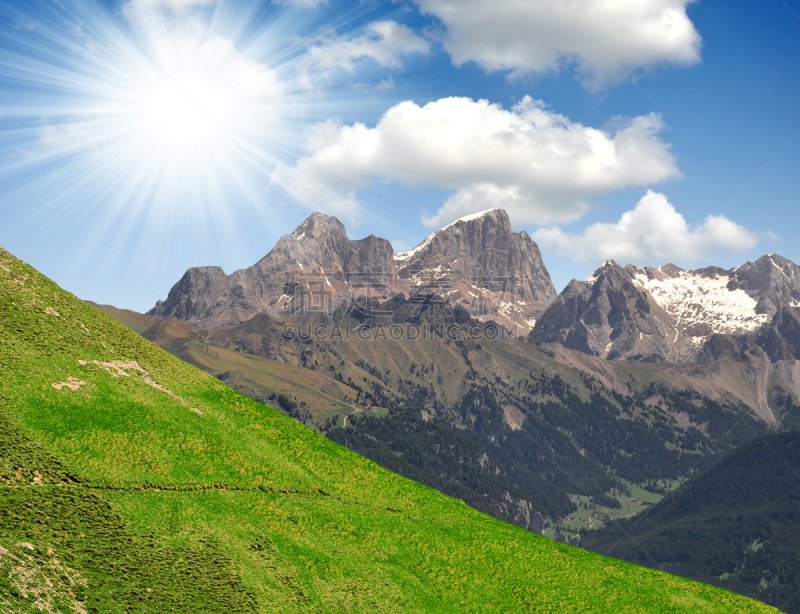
column 536, row 164
column 652, row 233
column 600, row 38
column 385, row 42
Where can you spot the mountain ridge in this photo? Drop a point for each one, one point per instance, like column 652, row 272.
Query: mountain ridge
column 479, row 263
column 669, row 314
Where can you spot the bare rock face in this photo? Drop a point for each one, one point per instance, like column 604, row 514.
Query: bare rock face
column 772, row 280
column 477, row 263
column 523, row 513
column 779, row 339
column 610, row 316
column 496, row 273
column 317, row 252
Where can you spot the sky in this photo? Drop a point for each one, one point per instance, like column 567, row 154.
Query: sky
column 139, row 138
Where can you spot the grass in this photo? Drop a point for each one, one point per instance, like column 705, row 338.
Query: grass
column 157, row 488
column 592, row 516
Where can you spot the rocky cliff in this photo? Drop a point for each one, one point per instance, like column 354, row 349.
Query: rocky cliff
column 496, row 272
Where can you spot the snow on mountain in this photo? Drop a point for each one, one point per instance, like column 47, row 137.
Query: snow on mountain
column 670, row 314
column 703, row 304
column 472, row 216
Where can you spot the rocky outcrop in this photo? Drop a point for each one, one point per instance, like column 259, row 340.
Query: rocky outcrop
column 317, row 253
column 522, row 513
column 779, row 339
column 772, row 280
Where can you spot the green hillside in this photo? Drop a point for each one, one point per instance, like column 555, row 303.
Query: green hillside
column 133, row 482
column 522, row 431
column 735, row 525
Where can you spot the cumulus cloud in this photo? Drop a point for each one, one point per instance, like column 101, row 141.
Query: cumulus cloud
column 600, row 38
column 653, row 232
column 538, row 165
column 385, row 42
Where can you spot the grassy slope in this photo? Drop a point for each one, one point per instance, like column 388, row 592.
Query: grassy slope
column 119, row 497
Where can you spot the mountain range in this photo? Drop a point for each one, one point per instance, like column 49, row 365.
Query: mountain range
column 664, row 314
column 478, row 262
column 672, row 315
column 132, row 482
column 743, row 322
column 609, row 394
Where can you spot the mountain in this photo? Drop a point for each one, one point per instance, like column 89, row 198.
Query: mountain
column 672, row 315
column 496, row 271
column 735, row 526
column 609, row 316
column 131, row 481
column 478, row 262
column 318, row 248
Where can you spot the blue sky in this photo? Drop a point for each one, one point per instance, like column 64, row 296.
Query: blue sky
column 141, row 138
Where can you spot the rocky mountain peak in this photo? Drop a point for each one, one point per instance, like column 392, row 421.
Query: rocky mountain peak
column 691, row 314
column 496, row 214
column 486, row 260
column 319, row 225
column 609, row 272
column 772, row 280
column 610, row 316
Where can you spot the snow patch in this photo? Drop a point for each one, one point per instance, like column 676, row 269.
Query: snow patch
column 692, row 299
column 406, row 255
column 473, row 216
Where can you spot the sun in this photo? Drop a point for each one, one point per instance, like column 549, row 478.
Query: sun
column 209, row 93
column 157, row 119
column 171, row 115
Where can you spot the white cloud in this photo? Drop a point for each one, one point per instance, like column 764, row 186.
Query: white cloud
column 599, row 37
column 652, row 233
column 534, row 163
column 385, row 42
